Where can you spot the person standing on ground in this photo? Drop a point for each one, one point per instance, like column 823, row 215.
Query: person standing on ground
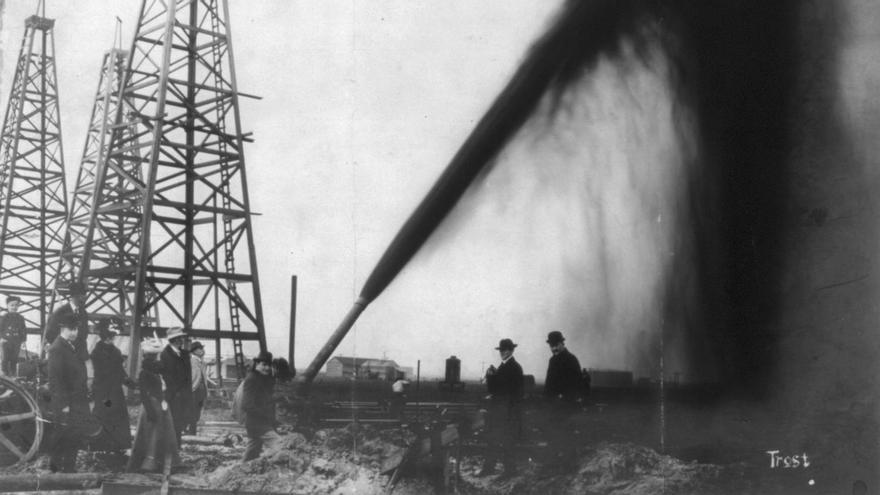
column 177, row 373
column 200, row 383
column 564, row 378
column 68, row 391
column 73, row 308
column 13, row 333
column 398, row 399
column 155, row 441
column 109, row 408
column 504, row 421
column 258, row 406
column 563, row 389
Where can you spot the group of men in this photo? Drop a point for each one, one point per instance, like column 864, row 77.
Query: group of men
column 180, row 373
column 563, row 391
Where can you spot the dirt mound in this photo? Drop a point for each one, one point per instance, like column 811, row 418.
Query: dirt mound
column 607, row 469
column 334, row 461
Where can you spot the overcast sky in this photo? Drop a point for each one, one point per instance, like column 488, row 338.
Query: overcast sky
column 363, row 105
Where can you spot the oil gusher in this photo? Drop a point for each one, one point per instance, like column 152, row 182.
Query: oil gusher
column 583, row 31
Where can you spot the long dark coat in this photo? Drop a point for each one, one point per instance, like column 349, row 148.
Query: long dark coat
column 67, row 389
column 506, row 385
column 504, row 419
column 155, row 438
column 110, row 409
column 563, row 377
column 258, row 403
column 177, row 373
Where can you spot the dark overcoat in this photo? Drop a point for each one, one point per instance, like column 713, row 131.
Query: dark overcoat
column 258, row 403
column 65, row 312
column 110, row 408
column 563, row 377
column 177, row 373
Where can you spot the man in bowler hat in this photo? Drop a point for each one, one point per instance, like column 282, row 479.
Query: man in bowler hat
column 74, row 308
column 176, row 370
column 562, row 391
column 70, row 415
column 505, row 386
column 563, row 382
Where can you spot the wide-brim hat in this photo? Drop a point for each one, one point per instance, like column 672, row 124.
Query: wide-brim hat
column 175, row 333
column 555, row 337
column 150, row 346
column 505, row 345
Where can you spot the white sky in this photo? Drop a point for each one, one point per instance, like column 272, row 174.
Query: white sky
column 364, row 103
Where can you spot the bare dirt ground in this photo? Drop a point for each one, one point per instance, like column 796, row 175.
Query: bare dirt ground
column 624, row 445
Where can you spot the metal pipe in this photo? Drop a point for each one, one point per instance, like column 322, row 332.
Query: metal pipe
column 324, row 354
column 290, row 345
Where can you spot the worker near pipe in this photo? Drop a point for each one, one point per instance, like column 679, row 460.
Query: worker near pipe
column 563, row 392
column 177, row 374
column 69, row 405
column 12, row 334
column 258, row 407
column 504, row 418
column 74, row 308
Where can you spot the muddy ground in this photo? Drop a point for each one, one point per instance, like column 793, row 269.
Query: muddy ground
column 623, row 445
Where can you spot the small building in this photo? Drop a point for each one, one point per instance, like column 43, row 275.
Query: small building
column 370, row 368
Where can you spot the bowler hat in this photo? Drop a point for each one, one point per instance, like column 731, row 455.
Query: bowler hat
column 175, row 333
column 505, row 345
column 555, row 337
column 264, row 357
column 12, row 299
column 196, row 346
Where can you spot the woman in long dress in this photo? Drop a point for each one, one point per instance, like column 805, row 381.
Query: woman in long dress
column 109, row 407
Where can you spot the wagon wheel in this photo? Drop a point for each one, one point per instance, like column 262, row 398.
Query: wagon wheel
column 21, row 426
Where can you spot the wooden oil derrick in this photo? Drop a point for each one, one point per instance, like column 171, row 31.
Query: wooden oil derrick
column 33, row 204
column 175, row 168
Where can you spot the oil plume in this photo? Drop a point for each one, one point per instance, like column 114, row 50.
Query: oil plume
column 732, row 65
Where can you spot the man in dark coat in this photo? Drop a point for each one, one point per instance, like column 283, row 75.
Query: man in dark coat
column 12, row 334
column 177, row 373
column 563, row 389
column 564, row 377
column 110, row 409
column 258, row 406
column 504, row 421
column 69, row 405
column 74, row 308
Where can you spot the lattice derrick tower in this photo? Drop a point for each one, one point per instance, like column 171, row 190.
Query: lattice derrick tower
column 33, row 194
column 194, row 262
column 119, row 235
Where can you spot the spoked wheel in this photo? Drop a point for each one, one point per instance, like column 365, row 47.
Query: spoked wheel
column 21, row 427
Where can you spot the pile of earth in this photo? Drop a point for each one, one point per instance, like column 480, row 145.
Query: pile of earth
column 608, row 469
column 340, row 460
